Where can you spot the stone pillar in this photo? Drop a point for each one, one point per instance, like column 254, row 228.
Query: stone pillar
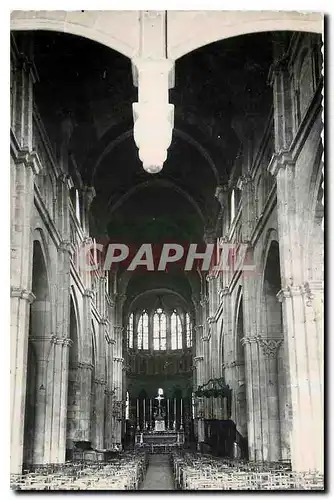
column 59, row 399
column 253, row 390
column 62, row 343
column 43, row 398
column 109, row 393
column 305, row 377
column 305, row 345
column 99, row 413
column 24, row 166
column 270, row 347
column 306, row 444
column 85, row 370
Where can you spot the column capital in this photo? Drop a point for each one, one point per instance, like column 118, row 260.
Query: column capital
column 29, row 159
column 119, row 360
column 210, row 277
column 244, row 180
column 88, row 293
column 22, row 293
column 89, row 193
column 65, row 246
column 204, row 300
column 211, row 319
column 110, row 340
column 197, row 359
column 279, row 160
column 280, row 65
column 99, row 381
column 62, row 341
column 249, row 340
column 210, row 235
column 87, row 240
column 65, row 179
column 270, row 346
column 223, row 292
column 221, row 194
column 85, row 366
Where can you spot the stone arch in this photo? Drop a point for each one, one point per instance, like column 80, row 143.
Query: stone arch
column 272, row 323
column 314, row 244
column 39, row 345
column 118, row 30
column 205, row 27
column 158, row 183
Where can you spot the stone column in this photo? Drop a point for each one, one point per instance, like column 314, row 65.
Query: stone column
column 306, row 375
column 59, row 399
column 270, row 347
column 85, row 370
column 41, row 444
column 23, row 169
column 24, row 166
column 100, row 384
column 253, row 390
column 109, row 392
column 62, row 342
column 99, row 387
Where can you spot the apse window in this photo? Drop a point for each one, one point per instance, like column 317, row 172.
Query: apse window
column 232, row 206
column 176, row 331
column 189, row 336
column 142, row 333
column 130, row 332
column 159, row 330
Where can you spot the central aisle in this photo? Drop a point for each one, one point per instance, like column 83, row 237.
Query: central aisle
column 159, row 474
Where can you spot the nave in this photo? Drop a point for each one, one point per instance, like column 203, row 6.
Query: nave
column 167, row 250
column 178, row 470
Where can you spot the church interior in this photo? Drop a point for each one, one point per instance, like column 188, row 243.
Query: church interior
column 166, row 130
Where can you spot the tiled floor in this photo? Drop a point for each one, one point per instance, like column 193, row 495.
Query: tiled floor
column 159, row 474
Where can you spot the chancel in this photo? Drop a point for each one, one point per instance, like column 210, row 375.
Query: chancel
column 167, row 214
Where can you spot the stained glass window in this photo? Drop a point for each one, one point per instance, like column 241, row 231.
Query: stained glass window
column 143, row 331
column 159, row 330
column 176, row 331
column 189, row 337
column 130, row 332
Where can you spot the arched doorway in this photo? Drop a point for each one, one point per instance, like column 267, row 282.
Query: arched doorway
column 38, row 353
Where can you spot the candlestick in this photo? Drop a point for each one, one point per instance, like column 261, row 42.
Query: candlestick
column 137, row 414
column 174, row 413
column 144, row 412
column 167, row 414
column 181, row 413
column 151, row 414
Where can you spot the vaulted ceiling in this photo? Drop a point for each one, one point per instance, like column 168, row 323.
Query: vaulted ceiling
column 217, row 89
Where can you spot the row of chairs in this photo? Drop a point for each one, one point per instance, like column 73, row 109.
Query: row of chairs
column 122, row 473
column 195, row 471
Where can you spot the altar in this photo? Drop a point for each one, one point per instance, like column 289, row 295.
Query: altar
column 159, row 441
column 159, row 435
